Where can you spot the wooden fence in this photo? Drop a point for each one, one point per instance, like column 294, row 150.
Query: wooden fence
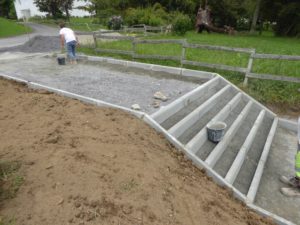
column 182, row 59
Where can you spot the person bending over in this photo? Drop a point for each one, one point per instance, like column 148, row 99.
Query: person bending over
column 68, row 37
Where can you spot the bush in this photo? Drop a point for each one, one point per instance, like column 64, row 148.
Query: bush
column 115, row 23
column 153, row 16
column 181, row 24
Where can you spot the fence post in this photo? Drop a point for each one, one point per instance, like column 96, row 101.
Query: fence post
column 249, row 68
column 133, row 47
column 95, row 39
column 299, row 134
column 183, row 52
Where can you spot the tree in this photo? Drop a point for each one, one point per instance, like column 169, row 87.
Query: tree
column 6, row 7
column 55, row 8
column 255, row 16
column 284, row 14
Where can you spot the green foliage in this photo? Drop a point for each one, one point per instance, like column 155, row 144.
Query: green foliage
column 181, row 24
column 11, row 28
column 55, row 8
column 7, row 9
column 289, row 20
column 153, row 16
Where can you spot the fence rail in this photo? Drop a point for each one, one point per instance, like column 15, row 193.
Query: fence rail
column 182, row 59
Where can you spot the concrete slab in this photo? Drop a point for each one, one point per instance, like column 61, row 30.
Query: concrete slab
column 281, row 161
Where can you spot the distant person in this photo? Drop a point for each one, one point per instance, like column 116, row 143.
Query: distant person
column 68, row 36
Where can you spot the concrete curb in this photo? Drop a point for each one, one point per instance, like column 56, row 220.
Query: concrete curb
column 179, row 128
column 175, row 106
column 152, row 67
column 240, row 158
column 220, row 148
column 249, row 98
column 287, row 124
column 261, row 164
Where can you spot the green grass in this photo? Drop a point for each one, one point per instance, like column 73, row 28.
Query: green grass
column 10, row 28
column 10, row 179
column 271, row 92
column 75, row 23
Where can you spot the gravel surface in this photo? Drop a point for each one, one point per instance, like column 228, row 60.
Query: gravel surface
column 36, row 44
column 108, row 83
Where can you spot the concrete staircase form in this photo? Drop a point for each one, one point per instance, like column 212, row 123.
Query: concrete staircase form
column 197, row 143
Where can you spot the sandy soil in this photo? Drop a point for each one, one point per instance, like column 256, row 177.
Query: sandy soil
column 88, row 165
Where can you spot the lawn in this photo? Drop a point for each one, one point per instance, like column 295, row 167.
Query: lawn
column 283, row 94
column 10, row 28
column 75, row 23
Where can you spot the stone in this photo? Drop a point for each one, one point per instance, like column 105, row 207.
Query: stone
column 156, row 104
column 159, row 95
column 136, row 107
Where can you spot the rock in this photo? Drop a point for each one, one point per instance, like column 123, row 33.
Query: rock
column 136, row 107
column 61, row 201
column 156, row 104
column 49, row 167
column 159, row 95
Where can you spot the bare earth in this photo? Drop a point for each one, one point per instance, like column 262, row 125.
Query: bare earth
column 88, row 165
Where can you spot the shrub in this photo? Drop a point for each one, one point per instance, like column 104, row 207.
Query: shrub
column 153, row 16
column 181, row 24
column 115, row 23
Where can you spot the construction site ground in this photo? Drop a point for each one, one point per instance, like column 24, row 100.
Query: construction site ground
column 87, row 165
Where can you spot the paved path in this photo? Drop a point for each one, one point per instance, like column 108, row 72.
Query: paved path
column 38, row 29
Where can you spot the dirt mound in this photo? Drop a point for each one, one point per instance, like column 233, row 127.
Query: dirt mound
column 36, row 44
column 86, row 165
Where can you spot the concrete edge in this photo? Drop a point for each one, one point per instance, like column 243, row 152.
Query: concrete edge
column 217, row 152
column 198, row 140
column 151, row 67
column 277, row 219
column 179, row 103
column 288, row 124
column 184, row 124
column 241, row 155
column 198, row 162
column 261, row 164
column 250, row 98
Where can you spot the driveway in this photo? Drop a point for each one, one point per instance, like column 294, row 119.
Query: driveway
column 38, row 29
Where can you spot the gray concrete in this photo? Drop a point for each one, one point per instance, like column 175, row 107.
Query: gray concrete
column 38, row 29
column 241, row 156
column 281, row 161
column 191, row 106
column 104, row 82
column 168, row 111
column 202, row 121
column 216, row 154
column 261, row 164
column 179, row 128
column 198, row 140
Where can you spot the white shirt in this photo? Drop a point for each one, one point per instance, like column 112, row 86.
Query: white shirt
column 68, row 34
